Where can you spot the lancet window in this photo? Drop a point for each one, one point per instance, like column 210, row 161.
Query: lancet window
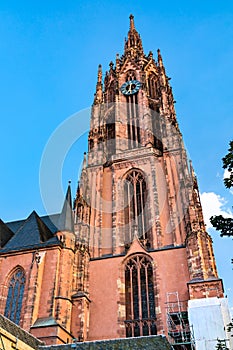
column 152, row 84
column 111, row 92
column 15, row 296
column 132, row 116
column 80, row 213
column 91, row 144
column 139, row 297
column 110, row 130
column 135, row 207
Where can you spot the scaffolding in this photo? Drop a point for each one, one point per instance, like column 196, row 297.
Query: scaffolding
column 180, row 333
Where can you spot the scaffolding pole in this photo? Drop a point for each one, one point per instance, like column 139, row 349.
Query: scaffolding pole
column 180, row 333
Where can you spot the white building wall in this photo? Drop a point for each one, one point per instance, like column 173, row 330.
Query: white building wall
column 209, row 318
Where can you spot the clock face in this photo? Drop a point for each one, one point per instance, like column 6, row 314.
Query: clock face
column 130, row 87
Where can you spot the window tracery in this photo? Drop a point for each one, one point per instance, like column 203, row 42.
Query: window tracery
column 133, row 129
column 135, row 204
column 110, row 133
column 152, row 85
column 15, row 296
column 111, row 92
column 80, row 213
column 139, row 297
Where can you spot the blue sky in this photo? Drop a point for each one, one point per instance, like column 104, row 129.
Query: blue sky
column 49, row 54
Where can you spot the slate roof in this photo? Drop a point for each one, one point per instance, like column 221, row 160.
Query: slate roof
column 51, row 221
column 5, row 233
column 152, row 342
column 19, row 333
column 36, row 232
column 30, row 233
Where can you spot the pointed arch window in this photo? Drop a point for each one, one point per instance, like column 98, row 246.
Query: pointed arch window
column 15, row 296
column 139, row 297
column 111, row 92
column 152, row 84
column 111, row 133
column 80, row 213
column 91, row 144
column 135, row 203
column 133, row 129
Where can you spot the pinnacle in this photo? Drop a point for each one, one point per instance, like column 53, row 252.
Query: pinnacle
column 133, row 42
column 66, row 221
column 131, row 17
column 99, row 79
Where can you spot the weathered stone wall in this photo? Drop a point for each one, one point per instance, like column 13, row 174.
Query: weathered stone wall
column 157, row 342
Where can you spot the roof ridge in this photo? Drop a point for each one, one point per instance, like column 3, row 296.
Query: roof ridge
column 33, row 232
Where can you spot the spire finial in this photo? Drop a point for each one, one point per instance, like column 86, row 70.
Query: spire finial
column 191, row 169
column 131, row 17
column 66, row 221
column 78, row 189
column 84, row 160
column 133, row 45
column 99, row 88
column 160, row 60
column 100, row 74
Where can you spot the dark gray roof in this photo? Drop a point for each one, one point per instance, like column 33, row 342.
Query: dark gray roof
column 45, row 322
column 51, row 221
column 34, row 232
column 19, row 333
column 5, row 233
column 66, row 220
column 152, row 342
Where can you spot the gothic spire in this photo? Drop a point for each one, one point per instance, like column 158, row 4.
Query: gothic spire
column 66, row 221
column 160, row 60
column 131, row 17
column 192, row 171
column 99, row 87
column 133, row 44
column 84, row 160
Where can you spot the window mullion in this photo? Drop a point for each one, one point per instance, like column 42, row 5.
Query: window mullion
column 15, row 296
column 147, row 294
column 142, row 211
column 129, row 210
column 139, row 297
column 141, row 316
column 135, row 121
column 135, row 202
column 131, row 293
column 130, row 122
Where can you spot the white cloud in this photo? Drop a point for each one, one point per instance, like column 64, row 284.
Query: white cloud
column 225, row 175
column 213, row 204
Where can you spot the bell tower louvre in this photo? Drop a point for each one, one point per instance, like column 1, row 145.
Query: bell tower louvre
column 132, row 258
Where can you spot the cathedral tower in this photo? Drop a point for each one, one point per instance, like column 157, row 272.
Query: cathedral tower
column 132, row 256
column 138, row 208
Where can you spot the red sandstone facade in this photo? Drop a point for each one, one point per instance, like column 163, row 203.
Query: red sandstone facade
column 138, row 242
